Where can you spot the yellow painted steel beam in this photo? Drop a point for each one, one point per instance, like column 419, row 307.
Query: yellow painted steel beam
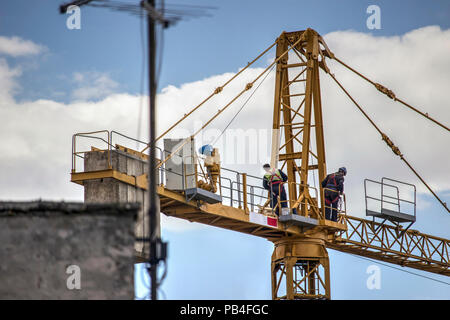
column 212, row 214
column 138, row 181
column 413, row 249
column 231, row 218
column 387, row 243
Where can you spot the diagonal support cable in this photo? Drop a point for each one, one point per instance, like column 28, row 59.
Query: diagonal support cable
column 216, row 91
column 243, row 105
column 247, row 87
column 391, row 94
column 389, row 142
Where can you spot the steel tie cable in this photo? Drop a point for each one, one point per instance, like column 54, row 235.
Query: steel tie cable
column 390, row 143
column 216, row 91
column 390, row 94
column 247, row 87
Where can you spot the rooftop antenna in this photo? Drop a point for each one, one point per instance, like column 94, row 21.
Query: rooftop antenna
column 166, row 17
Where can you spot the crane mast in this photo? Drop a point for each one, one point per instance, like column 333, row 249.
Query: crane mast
column 298, row 112
column 297, row 119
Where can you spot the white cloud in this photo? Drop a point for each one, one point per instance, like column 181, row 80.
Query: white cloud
column 417, row 74
column 8, row 85
column 16, row 46
column 93, row 86
column 36, row 135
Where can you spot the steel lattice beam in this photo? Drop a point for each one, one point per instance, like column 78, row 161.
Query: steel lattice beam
column 387, row 243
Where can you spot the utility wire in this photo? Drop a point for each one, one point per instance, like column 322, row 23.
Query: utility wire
column 143, row 65
column 158, row 72
column 172, row 13
column 399, row 269
column 161, row 45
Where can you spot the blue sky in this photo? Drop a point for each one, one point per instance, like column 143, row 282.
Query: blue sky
column 109, row 41
column 209, row 262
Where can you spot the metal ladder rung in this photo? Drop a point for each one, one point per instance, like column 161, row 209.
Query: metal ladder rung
column 300, row 80
column 294, row 65
column 293, row 95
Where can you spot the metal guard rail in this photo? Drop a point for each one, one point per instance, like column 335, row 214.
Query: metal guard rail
column 240, row 193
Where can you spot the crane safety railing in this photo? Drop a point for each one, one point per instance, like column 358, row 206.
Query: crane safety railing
column 76, row 153
column 386, row 201
column 402, row 201
column 104, row 141
column 341, row 207
column 243, row 194
column 388, row 207
column 232, row 185
column 237, row 189
column 311, row 203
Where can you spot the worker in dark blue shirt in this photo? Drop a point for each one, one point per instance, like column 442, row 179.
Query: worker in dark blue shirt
column 273, row 182
column 334, row 188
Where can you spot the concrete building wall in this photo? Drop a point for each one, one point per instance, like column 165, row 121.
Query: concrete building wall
column 113, row 191
column 45, row 244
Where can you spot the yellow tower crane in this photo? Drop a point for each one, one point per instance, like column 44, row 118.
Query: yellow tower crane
column 226, row 199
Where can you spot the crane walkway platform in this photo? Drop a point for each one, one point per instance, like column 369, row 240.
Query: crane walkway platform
column 202, row 195
column 237, row 219
column 391, row 215
column 304, row 223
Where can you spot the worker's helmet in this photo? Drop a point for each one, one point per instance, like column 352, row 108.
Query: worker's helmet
column 206, row 150
column 343, row 170
column 266, row 166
